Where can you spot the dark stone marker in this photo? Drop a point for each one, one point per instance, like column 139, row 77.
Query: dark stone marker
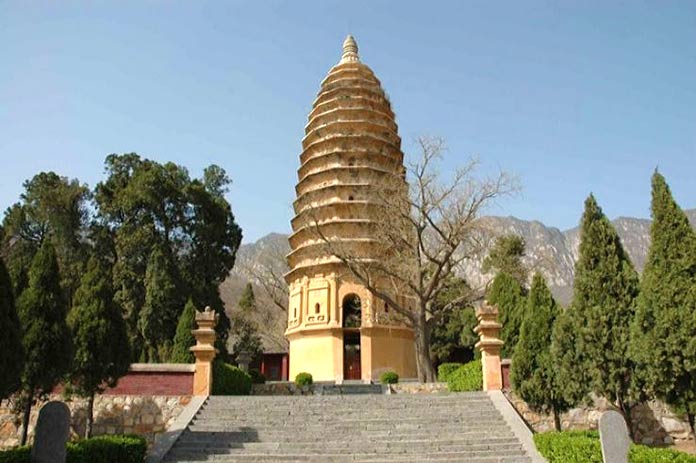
column 613, row 434
column 51, row 434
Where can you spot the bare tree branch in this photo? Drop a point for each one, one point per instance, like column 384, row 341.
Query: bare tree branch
column 422, row 229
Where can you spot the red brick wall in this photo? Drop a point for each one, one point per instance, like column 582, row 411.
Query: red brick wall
column 154, row 383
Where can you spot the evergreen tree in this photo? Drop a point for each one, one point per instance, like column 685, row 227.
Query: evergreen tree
column 245, row 338
column 184, row 339
column 506, row 257
column 142, row 204
column 51, row 208
column 665, row 325
column 571, row 381
column 46, row 337
column 160, row 312
column 247, row 301
column 11, row 351
column 510, row 297
column 453, row 336
column 533, row 371
column 603, row 306
column 102, row 353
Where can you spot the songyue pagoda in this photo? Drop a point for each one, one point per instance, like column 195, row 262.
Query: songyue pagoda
column 337, row 329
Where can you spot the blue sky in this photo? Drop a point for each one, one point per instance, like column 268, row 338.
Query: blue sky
column 573, row 97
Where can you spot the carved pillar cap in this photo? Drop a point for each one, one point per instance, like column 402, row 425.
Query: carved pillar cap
column 205, row 334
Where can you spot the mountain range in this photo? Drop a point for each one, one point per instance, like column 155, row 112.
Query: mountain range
column 548, row 250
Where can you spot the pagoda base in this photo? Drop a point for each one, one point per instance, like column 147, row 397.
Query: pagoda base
column 331, row 354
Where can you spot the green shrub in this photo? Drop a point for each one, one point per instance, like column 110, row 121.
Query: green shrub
column 100, row 449
column 643, row 454
column 584, row 447
column 230, row 380
column 16, row 455
column 304, row 379
column 468, row 377
column 108, row 449
column 569, row 447
column 256, row 376
column 389, row 377
column 446, row 369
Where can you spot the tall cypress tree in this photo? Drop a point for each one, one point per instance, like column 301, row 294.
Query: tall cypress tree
column 11, row 351
column 665, row 325
column 533, row 371
column 510, row 297
column 46, row 337
column 604, row 300
column 184, row 339
column 102, row 352
column 163, row 303
column 247, row 301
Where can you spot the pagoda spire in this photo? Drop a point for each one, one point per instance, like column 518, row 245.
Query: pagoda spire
column 350, row 51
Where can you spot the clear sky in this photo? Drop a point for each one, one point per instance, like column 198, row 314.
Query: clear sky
column 573, row 96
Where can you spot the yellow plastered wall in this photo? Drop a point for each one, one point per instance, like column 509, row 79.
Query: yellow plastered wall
column 317, row 353
column 389, row 349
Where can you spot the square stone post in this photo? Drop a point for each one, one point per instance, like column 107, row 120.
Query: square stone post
column 204, row 351
column 489, row 344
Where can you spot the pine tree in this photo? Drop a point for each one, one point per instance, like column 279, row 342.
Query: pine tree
column 665, row 324
column 163, row 303
column 11, row 351
column 510, row 297
column 184, row 339
column 603, row 306
column 533, row 371
column 46, row 337
column 102, row 352
column 247, row 301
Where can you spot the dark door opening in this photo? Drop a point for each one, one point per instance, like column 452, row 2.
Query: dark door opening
column 351, row 355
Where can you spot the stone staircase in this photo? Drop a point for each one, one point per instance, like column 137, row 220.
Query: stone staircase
column 372, row 428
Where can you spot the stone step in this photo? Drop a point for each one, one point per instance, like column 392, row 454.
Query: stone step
column 382, row 459
column 345, row 389
column 318, row 420
column 224, row 439
column 454, row 397
column 346, row 427
column 405, row 446
column 178, row 455
column 321, row 430
column 357, row 436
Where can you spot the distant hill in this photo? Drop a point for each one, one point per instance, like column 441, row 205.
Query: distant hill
column 549, row 250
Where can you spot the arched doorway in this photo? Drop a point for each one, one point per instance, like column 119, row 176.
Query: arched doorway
column 352, row 319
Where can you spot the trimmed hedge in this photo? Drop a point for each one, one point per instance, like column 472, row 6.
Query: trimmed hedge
column 304, row 379
column 389, row 377
column 446, row 369
column 468, row 377
column 230, row 380
column 100, row 449
column 584, row 447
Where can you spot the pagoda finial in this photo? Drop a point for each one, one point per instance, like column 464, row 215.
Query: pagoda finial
column 350, row 51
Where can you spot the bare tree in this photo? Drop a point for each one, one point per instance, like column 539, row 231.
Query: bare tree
column 423, row 226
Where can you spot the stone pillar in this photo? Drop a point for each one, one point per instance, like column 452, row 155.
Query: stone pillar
column 204, row 351
column 489, row 344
